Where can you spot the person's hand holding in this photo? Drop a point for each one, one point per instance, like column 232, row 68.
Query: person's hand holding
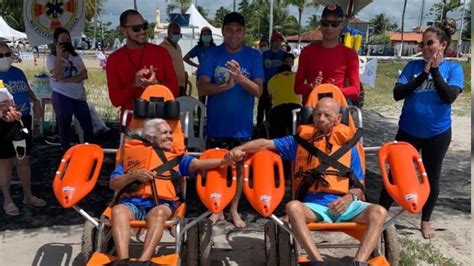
column 227, row 160
column 233, row 67
column 143, row 175
column 340, row 205
column 437, row 58
column 145, row 77
column 149, row 76
column 237, row 154
column 11, row 115
column 59, row 50
column 428, row 65
column 318, row 80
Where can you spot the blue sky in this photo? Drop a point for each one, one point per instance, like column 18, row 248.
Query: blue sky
column 392, row 8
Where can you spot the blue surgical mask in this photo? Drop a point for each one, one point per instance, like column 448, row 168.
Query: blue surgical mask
column 175, row 38
column 206, row 38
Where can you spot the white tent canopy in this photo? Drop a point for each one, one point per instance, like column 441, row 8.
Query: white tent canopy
column 8, row 33
column 196, row 23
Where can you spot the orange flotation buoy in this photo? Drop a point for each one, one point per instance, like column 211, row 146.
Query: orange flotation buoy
column 409, row 185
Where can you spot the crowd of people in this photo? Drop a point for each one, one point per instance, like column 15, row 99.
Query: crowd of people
column 230, row 77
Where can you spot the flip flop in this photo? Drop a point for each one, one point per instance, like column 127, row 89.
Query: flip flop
column 11, row 209
column 36, row 202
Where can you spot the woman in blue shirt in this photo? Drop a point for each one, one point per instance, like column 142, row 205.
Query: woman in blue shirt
column 205, row 41
column 428, row 87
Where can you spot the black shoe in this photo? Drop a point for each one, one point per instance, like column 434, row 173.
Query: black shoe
column 52, row 140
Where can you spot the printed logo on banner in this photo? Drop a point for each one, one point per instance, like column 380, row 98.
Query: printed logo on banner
column 42, row 17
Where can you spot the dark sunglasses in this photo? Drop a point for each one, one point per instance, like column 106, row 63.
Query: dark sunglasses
column 427, row 43
column 5, row 55
column 333, row 23
column 139, row 27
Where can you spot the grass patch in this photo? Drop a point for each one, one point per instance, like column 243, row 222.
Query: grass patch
column 387, row 74
column 414, row 252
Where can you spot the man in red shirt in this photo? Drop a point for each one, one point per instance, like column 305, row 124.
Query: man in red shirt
column 138, row 64
column 329, row 61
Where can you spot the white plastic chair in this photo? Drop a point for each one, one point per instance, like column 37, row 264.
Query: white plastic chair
column 196, row 109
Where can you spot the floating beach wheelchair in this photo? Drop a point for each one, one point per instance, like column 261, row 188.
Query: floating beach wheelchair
column 408, row 185
column 80, row 168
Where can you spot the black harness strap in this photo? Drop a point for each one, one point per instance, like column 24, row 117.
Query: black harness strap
column 327, row 161
column 166, row 166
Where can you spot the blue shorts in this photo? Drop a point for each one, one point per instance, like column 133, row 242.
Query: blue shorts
column 139, row 213
column 324, row 215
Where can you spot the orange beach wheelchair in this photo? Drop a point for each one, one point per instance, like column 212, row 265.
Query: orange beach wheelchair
column 78, row 173
column 409, row 188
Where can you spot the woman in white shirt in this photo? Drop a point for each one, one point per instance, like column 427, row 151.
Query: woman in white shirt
column 68, row 73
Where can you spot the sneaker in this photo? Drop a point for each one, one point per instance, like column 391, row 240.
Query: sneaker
column 53, row 140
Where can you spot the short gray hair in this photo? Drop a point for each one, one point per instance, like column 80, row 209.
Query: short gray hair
column 150, row 130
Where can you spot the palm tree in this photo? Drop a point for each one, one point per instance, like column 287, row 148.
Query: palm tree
column 183, row 6
column 300, row 4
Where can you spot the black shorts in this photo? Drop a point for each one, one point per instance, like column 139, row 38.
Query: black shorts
column 7, row 151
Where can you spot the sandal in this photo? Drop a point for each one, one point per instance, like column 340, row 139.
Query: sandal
column 11, row 209
column 34, row 201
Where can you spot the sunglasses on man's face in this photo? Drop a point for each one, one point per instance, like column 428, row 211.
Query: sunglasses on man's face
column 427, row 43
column 333, row 23
column 139, row 27
column 5, row 55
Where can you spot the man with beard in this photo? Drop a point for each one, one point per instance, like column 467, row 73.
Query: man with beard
column 138, row 64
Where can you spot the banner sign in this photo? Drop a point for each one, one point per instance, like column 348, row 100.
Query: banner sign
column 42, row 17
column 370, row 73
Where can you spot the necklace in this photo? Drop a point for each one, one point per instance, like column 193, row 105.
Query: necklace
column 137, row 67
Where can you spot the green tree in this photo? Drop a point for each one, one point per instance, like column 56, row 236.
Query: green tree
column 441, row 9
column 204, row 12
column 182, row 5
column 219, row 17
column 381, row 23
column 300, row 4
column 313, row 22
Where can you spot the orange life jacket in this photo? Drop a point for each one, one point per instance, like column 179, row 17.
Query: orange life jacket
column 137, row 155
column 328, row 144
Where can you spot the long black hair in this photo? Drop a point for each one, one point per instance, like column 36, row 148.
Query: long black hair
column 57, row 32
column 201, row 43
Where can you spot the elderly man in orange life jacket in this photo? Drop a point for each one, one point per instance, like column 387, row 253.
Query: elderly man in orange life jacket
column 135, row 199
column 323, row 197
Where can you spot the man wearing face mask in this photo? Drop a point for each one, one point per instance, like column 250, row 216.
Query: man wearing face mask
column 138, row 64
column 16, row 83
column 171, row 44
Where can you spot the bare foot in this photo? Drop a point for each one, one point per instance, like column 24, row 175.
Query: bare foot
column 426, row 230
column 215, row 217
column 237, row 220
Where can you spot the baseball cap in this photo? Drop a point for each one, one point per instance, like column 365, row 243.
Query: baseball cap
column 332, row 9
column 234, row 17
column 276, row 36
